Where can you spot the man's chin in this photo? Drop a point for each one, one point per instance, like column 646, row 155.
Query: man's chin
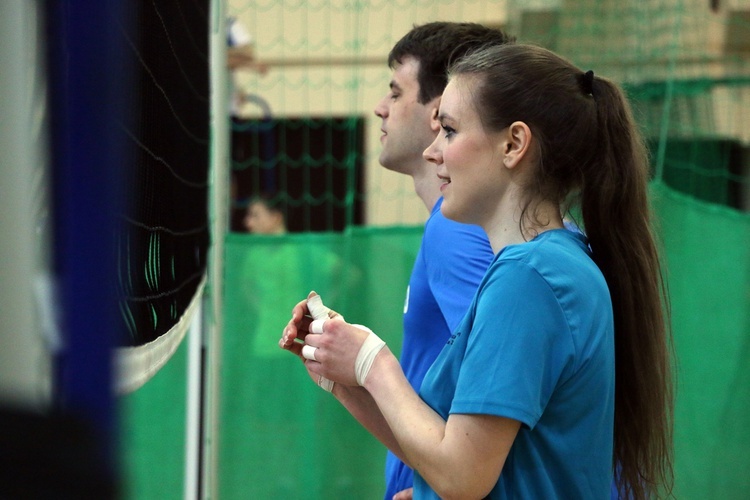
column 386, row 162
column 388, row 167
column 390, row 163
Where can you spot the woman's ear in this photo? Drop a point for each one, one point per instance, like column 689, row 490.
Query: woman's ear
column 517, row 144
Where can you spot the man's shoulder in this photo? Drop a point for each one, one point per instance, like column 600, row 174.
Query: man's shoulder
column 440, row 227
column 455, row 247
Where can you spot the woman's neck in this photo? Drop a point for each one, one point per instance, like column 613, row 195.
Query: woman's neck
column 507, row 230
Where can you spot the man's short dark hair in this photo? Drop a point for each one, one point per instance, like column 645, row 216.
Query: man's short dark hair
column 436, row 46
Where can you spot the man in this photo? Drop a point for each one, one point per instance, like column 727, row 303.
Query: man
column 453, row 257
column 263, row 216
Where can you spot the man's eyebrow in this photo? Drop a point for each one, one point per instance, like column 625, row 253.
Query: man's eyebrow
column 394, row 85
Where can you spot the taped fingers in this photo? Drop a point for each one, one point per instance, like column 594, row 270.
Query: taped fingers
column 308, row 352
column 318, row 310
column 317, row 325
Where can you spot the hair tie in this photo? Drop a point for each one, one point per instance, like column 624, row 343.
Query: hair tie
column 587, row 83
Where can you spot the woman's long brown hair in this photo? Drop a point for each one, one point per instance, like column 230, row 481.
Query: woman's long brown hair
column 589, row 146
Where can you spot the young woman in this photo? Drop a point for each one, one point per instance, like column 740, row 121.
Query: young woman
column 560, row 371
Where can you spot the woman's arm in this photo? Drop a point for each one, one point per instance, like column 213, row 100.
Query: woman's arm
column 362, row 406
column 459, row 458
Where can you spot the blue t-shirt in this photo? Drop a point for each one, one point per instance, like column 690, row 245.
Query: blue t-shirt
column 450, row 265
column 537, row 346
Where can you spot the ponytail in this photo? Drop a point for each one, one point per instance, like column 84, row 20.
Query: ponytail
column 615, row 210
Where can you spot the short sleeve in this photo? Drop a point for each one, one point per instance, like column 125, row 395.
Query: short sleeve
column 518, row 348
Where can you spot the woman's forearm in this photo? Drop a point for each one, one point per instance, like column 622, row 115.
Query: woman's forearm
column 362, row 407
column 416, row 428
column 461, row 457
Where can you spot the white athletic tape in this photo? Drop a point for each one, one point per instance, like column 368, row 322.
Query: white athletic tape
column 320, row 314
column 326, row 384
column 317, row 325
column 316, row 307
column 366, row 355
column 318, row 310
column 367, row 352
column 308, row 352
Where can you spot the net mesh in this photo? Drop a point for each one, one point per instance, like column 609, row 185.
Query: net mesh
column 684, row 65
column 162, row 246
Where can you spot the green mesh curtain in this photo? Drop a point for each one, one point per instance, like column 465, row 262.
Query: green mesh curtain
column 152, row 428
column 280, row 435
column 708, row 261
column 684, row 64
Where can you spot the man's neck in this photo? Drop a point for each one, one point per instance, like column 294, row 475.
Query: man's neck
column 427, row 186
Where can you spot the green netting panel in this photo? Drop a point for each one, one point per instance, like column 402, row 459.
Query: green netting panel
column 152, row 424
column 279, row 435
column 707, row 249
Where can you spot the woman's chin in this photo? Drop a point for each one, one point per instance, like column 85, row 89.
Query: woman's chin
column 449, row 213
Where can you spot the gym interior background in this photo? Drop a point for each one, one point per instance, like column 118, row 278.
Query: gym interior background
column 140, row 320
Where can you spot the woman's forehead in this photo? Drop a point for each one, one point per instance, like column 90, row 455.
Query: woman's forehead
column 457, row 98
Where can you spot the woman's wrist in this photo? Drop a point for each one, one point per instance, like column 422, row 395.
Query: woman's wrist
column 382, row 365
column 368, row 351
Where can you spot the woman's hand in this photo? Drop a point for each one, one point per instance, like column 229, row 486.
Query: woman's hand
column 336, row 350
column 296, row 329
column 333, row 347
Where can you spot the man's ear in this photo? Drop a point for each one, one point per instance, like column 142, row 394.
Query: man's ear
column 516, row 144
column 434, row 109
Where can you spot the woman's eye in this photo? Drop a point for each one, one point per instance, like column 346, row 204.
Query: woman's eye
column 449, row 131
